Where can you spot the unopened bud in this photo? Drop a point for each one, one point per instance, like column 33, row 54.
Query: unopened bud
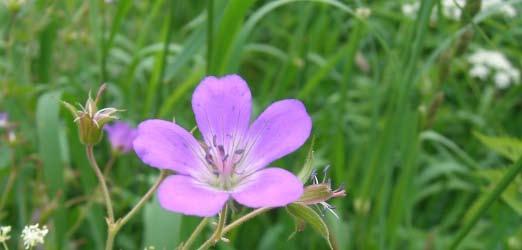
column 90, row 120
column 317, row 193
column 14, row 6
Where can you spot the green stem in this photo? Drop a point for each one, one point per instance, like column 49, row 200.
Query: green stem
column 101, row 180
column 143, row 200
column 210, row 33
column 244, row 218
column 5, row 246
column 219, row 230
column 114, row 228
column 90, row 200
column 488, row 200
column 111, row 235
column 195, row 234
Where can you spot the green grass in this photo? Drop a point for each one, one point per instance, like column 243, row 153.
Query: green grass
column 394, row 113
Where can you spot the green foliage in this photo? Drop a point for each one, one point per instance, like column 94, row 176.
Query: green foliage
column 303, row 214
column 393, row 104
column 508, row 147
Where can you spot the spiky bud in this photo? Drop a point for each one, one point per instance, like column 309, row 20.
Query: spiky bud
column 90, row 120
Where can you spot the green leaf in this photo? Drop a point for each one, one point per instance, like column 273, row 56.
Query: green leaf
column 304, row 214
column 50, row 151
column 162, row 228
column 305, row 173
column 512, row 196
column 230, row 24
column 508, row 147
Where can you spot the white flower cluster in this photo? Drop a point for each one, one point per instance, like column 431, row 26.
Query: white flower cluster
column 452, row 9
column 487, row 62
column 4, row 234
column 33, row 235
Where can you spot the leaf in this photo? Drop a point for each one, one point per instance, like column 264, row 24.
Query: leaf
column 508, row 147
column 305, row 173
column 304, row 214
column 162, row 228
column 513, row 193
column 50, row 151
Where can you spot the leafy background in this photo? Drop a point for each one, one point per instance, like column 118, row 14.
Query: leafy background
column 396, row 115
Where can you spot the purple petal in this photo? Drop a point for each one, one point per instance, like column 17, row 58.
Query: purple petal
column 271, row 187
column 222, row 108
column 183, row 194
column 281, row 129
column 3, row 119
column 121, row 135
column 165, row 145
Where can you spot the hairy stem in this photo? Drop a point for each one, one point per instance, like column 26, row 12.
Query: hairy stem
column 90, row 199
column 244, row 218
column 101, row 180
column 195, row 234
column 219, row 230
column 143, row 200
column 115, row 227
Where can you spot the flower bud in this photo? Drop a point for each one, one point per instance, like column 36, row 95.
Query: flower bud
column 14, row 6
column 318, row 193
column 90, row 120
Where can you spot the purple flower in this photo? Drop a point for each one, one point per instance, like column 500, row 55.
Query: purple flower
column 231, row 161
column 121, row 135
column 4, row 118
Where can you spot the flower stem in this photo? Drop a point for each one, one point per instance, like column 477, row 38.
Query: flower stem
column 101, row 180
column 111, row 235
column 219, row 230
column 488, row 200
column 244, row 218
column 90, row 198
column 196, row 233
column 115, row 227
column 5, row 245
column 143, row 200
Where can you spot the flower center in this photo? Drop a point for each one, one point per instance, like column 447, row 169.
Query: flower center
column 222, row 162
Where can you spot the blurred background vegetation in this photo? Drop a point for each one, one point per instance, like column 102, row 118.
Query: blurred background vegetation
column 397, row 113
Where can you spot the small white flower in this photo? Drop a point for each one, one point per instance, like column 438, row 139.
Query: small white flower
column 363, row 12
column 502, row 80
column 452, row 9
column 33, row 235
column 479, row 71
column 486, row 62
column 11, row 136
column 501, row 7
column 410, row 9
column 4, row 234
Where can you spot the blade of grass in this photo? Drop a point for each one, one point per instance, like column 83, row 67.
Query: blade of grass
column 49, row 149
column 490, row 198
column 159, row 63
